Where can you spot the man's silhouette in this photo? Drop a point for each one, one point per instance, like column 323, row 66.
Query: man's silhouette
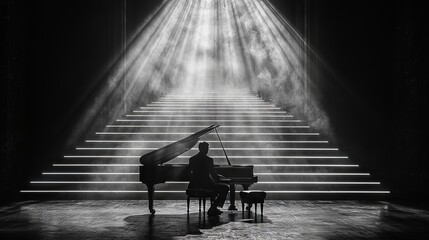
column 204, row 176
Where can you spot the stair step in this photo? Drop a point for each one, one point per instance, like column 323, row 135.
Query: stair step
column 217, row 152
column 221, row 160
column 137, row 186
column 264, row 168
column 188, row 129
column 271, row 195
column 290, row 159
column 226, row 137
column 213, row 144
column 135, row 177
column 206, row 121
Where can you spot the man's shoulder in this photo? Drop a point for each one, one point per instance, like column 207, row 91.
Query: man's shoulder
column 194, row 158
column 208, row 160
column 199, row 156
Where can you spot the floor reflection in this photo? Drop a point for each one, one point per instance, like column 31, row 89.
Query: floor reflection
column 400, row 222
column 107, row 219
column 167, row 226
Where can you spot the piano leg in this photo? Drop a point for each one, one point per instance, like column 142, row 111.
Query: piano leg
column 245, row 188
column 232, row 197
column 150, row 192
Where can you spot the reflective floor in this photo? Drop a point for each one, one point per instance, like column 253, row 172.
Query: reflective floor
column 104, row 219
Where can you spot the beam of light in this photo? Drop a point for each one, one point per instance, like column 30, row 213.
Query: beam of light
column 114, row 91
column 205, row 53
column 213, row 149
column 221, row 157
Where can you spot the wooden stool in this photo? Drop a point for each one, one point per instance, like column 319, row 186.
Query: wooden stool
column 253, row 197
column 200, row 194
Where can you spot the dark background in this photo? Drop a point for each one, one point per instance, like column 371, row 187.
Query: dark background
column 372, row 81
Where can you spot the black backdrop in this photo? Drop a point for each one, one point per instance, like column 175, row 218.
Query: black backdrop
column 375, row 97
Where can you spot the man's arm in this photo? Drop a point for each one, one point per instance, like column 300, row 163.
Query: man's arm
column 212, row 171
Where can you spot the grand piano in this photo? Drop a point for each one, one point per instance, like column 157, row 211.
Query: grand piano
column 153, row 171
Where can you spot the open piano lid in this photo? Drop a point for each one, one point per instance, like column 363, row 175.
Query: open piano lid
column 175, row 149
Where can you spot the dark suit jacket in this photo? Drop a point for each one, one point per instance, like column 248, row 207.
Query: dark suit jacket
column 203, row 173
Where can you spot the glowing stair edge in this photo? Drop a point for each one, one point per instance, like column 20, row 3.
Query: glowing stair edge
column 291, row 160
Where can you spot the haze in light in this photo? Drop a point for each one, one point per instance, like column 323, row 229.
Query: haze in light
column 205, row 44
column 192, row 49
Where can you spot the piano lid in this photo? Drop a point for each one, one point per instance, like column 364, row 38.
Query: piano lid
column 175, row 149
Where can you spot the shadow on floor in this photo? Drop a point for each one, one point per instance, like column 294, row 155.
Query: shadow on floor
column 168, row 226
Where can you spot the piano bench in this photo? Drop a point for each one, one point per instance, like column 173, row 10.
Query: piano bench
column 253, row 197
column 200, row 194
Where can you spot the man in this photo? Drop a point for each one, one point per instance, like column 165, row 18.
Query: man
column 204, row 176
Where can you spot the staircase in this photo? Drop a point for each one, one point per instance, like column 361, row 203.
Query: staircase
column 291, row 160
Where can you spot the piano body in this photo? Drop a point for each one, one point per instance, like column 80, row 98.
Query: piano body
column 153, row 171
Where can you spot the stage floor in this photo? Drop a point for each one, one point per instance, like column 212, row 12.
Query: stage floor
column 104, row 219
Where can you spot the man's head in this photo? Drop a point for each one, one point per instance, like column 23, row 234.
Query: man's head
column 203, row 147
